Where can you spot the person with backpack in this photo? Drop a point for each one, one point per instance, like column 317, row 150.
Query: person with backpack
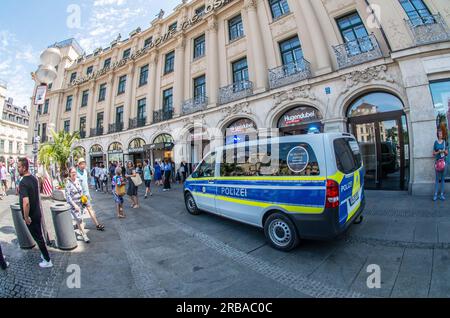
column 119, row 191
column 147, row 178
column 440, row 153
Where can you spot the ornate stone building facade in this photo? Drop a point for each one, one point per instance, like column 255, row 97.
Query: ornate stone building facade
column 14, row 124
column 219, row 71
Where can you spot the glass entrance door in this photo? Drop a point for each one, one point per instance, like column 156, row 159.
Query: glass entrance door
column 366, row 136
column 384, row 148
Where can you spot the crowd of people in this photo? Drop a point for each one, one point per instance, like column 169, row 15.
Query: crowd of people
column 125, row 181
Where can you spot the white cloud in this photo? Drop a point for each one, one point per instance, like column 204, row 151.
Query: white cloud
column 16, row 58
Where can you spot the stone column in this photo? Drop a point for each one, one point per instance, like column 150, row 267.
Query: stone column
column 74, row 111
column 109, row 105
column 212, row 60
column 256, row 46
column 153, row 90
column 90, row 116
column 128, row 96
column 303, row 10
column 179, row 76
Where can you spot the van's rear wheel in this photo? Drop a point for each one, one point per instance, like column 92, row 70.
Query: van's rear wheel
column 191, row 206
column 281, row 232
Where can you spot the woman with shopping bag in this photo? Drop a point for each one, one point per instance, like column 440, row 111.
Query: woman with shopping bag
column 134, row 181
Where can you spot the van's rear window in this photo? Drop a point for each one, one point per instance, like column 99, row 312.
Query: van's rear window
column 348, row 155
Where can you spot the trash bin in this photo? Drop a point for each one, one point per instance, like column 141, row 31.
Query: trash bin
column 62, row 221
column 24, row 237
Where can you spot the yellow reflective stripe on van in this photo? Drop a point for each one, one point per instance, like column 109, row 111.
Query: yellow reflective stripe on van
column 356, row 182
column 289, row 208
column 351, row 214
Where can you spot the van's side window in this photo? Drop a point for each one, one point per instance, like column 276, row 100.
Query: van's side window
column 239, row 162
column 207, row 167
column 348, row 155
column 247, row 162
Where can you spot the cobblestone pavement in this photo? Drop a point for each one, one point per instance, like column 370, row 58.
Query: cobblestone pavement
column 161, row 251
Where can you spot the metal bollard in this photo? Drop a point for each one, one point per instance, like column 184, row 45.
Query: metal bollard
column 62, row 221
column 24, row 237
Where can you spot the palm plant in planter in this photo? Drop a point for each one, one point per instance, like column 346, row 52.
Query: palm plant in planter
column 59, row 151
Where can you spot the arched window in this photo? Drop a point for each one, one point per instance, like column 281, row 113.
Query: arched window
column 115, row 147
column 374, row 103
column 164, row 138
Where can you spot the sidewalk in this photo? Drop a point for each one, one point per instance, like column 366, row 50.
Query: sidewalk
column 398, row 219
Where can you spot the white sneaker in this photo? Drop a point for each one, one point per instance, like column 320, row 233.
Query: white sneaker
column 86, row 239
column 45, row 264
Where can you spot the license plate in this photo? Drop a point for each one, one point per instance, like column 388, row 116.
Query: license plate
column 354, row 198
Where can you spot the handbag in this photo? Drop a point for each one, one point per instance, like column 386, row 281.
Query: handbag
column 137, row 180
column 440, row 163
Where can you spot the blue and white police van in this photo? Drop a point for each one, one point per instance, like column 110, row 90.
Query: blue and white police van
column 295, row 187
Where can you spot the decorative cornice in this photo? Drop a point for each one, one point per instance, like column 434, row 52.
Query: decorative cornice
column 303, row 92
column 365, row 76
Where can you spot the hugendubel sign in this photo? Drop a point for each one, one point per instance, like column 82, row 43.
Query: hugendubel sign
column 299, row 116
column 212, row 6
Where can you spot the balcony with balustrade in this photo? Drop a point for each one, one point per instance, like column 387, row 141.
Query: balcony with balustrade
column 236, row 91
column 95, row 132
column 162, row 115
column 357, row 52
column 194, row 105
column 137, row 122
column 428, row 29
column 289, row 73
column 115, row 128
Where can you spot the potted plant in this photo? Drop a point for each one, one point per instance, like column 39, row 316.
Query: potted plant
column 59, row 152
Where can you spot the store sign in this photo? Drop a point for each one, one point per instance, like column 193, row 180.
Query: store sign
column 299, row 116
column 96, row 151
column 136, row 146
column 160, row 146
column 211, row 7
column 115, row 148
column 241, row 127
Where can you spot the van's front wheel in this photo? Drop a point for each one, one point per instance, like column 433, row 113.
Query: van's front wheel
column 281, row 232
column 191, row 206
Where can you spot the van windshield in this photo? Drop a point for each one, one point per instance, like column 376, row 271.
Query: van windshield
column 348, row 155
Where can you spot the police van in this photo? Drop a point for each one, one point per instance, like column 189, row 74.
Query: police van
column 296, row 187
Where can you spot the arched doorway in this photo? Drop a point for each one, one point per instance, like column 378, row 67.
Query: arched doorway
column 300, row 120
column 241, row 130
column 136, row 151
column 96, row 155
column 378, row 121
column 161, row 148
column 115, row 152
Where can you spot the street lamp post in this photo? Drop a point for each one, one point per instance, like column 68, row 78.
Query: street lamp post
column 45, row 74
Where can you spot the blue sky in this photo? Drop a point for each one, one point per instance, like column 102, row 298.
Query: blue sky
column 29, row 26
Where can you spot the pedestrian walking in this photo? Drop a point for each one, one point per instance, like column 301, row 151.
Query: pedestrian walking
column 147, row 178
column 112, row 172
column 3, row 179
column 82, row 175
column 167, row 174
column 29, row 201
column 78, row 202
column 132, row 190
column 3, row 263
column 119, row 191
column 12, row 174
column 157, row 173
column 440, row 153
column 103, row 179
column 183, row 171
column 97, row 173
